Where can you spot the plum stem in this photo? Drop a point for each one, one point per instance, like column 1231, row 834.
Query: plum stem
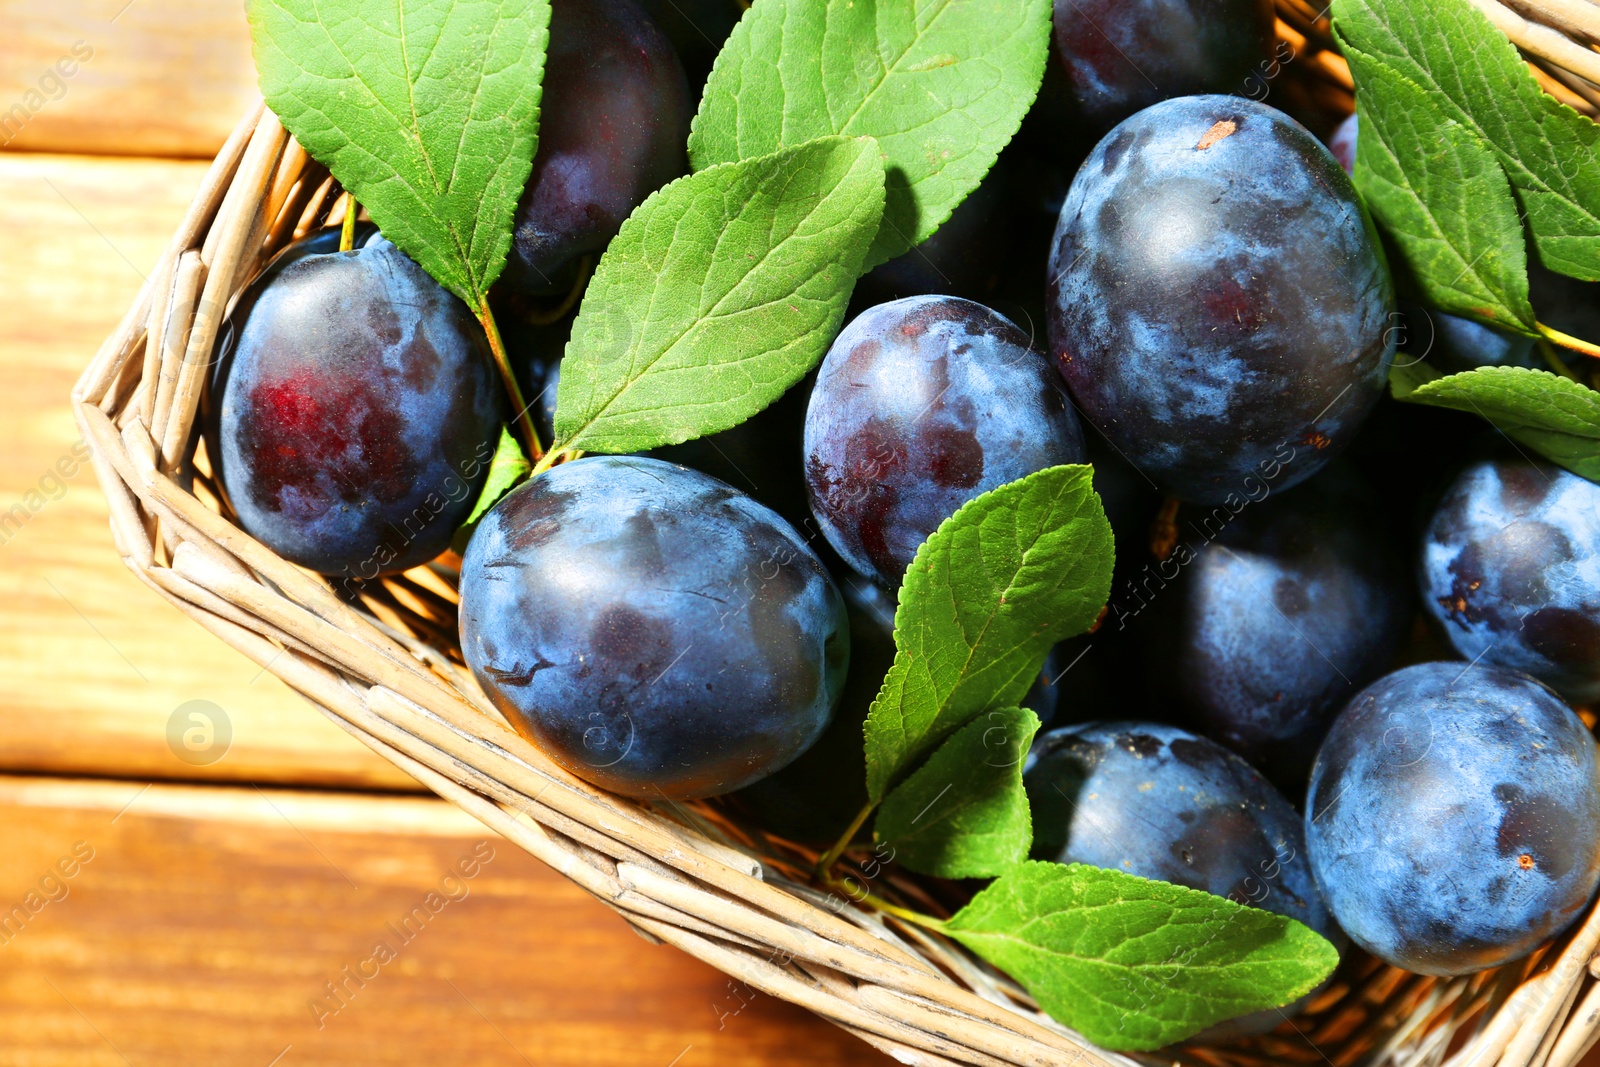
column 826, row 861
column 1566, row 340
column 530, row 436
column 347, row 234
column 915, row 918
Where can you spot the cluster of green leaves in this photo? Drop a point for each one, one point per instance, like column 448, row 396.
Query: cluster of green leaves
column 1460, row 150
column 1131, row 963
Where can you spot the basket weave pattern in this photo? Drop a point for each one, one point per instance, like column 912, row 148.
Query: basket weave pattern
column 384, row 665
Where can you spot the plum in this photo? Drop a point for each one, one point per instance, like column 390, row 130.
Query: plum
column 1218, row 299
column 353, row 409
column 1277, row 618
column 656, row 631
column 1453, row 819
column 1510, row 570
column 920, row 405
column 613, row 127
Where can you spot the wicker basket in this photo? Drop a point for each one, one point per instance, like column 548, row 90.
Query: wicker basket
column 388, row 670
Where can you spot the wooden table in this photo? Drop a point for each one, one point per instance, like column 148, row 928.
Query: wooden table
column 206, row 913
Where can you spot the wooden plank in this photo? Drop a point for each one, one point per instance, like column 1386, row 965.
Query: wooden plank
column 135, row 77
column 202, row 926
column 94, row 664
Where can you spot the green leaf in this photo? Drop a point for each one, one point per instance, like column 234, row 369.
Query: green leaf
column 720, row 292
column 1471, row 74
column 507, row 470
column 1555, row 416
column 989, row 592
column 426, row 110
column 1442, row 196
column 942, row 84
column 1133, row 964
column 964, row 814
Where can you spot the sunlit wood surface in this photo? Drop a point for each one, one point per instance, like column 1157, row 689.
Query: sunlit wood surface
column 207, row 923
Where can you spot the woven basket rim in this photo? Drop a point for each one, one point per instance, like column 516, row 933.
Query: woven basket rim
column 680, row 874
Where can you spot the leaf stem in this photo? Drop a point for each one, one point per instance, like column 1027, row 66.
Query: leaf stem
column 530, row 436
column 915, row 918
column 347, row 234
column 826, row 861
column 562, row 454
column 1566, row 340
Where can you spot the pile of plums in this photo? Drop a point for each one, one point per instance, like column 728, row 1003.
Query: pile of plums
column 1337, row 675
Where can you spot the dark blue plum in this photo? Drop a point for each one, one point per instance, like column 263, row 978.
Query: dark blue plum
column 1277, row 617
column 1159, row 802
column 1511, row 570
column 920, row 405
column 656, row 631
column 1123, row 55
column 1453, row 819
column 613, row 126
column 1218, row 300
column 353, row 410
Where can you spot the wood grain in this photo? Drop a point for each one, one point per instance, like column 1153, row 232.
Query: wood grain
column 137, row 77
column 93, row 663
column 208, row 922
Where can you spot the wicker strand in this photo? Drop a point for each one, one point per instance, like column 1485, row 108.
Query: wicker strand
column 174, row 337
column 155, row 334
column 1581, row 1032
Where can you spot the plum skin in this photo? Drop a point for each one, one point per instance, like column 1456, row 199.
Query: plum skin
column 1123, row 55
column 612, row 130
column 1510, row 570
column 353, row 410
column 920, row 405
column 1159, row 802
column 1276, row 622
column 1194, row 323
column 1453, row 818
column 656, row 631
